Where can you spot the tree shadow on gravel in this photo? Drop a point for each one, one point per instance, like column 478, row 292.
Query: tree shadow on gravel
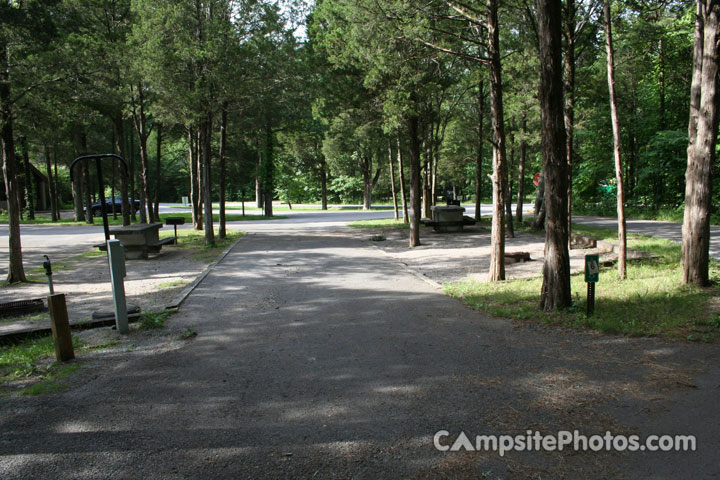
column 318, row 358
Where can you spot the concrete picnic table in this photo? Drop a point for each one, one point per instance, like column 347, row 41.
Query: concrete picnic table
column 140, row 239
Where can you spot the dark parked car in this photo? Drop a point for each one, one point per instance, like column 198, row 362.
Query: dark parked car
column 96, row 209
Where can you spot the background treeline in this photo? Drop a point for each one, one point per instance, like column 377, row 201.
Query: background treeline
column 265, row 100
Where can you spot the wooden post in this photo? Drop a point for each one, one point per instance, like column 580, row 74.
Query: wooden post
column 60, row 327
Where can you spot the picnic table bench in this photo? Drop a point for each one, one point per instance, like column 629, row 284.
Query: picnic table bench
column 139, row 240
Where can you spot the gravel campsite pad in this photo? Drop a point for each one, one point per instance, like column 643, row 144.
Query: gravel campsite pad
column 85, row 280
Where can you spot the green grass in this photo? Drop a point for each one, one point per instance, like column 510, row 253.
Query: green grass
column 28, row 359
column 665, row 214
column 652, row 301
column 173, row 284
column 380, row 223
column 195, row 240
column 52, row 380
column 153, row 320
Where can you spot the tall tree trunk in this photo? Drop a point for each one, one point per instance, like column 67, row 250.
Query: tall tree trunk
column 58, row 199
column 392, row 182
column 131, row 180
column 113, row 180
column 426, row 174
column 414, row 141
column 16, row 272
column 158, row 168
column 119, row 126
column 259, row 197
column 51, row 184
column 323, row 184
column 30, row 186
column 555, row 293
column 87, row 189
column 199, row 147
column 207, row 181
column 268, row 173
column 401, row 173
column 508, row 191
column 77, row 194
column 479, row 160
column 661, row 82
column 435, row 159
column 499, row 175
column 223, row 173
column 622, row 235
column 86, row 180
column 569, row 91
column 194, row 205
column 143, row 131
column 703, row 131
column 521, row 169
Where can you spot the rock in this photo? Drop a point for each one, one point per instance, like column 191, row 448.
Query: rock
column 578, row 241
column 516, row 257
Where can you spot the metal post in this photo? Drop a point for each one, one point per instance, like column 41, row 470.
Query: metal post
column 590, row 298
column 48, row 271
column 101, row 188
column 116, row 257
column 60, row 326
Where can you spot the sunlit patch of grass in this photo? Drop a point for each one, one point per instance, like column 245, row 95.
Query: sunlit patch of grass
column 379, row 223
column 652, row 301
column 173, row 284
column 195, row 240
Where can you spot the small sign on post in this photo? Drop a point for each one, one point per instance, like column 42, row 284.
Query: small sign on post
column 592, row 275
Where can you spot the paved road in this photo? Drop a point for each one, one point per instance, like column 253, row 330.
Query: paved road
column 319, row 357
column 668, row 230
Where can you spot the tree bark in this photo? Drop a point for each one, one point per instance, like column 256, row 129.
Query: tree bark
column 569, row 91
column 206, row 130
column 16, row 272
column 223, row 128
column 131, row 180
column 703, row 130
column 622, row 234
column 141, row 126
column 414, row 141
column 119, row 127
column 51, row 184
column 86, row 180
column 268, row 171
column 392, row 182
column 521, row 169
column 323, row 184
column 58, row 198
column 555, row 293
column 426, row 174
column 193, row 178
column 479, row 160
column 508, row 191
column 499, row 175
column 158, row 168
column 401, row 174
column 30, row 186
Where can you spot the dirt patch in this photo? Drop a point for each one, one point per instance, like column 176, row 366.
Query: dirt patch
column 150, row 284
column 449, row 257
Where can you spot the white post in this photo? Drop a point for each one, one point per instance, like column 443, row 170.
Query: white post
column 116, row 257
